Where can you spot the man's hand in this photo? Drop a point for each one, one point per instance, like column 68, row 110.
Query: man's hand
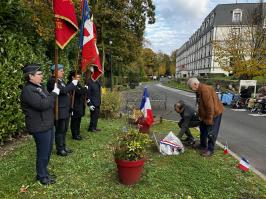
column 56, row 89
column 75, row 82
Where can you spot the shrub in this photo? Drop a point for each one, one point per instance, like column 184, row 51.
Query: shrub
column 131, row 145
column 15, row 52
column 111, row 102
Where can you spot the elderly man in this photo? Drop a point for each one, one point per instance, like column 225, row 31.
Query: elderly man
column 210, row 113
column 189, row 119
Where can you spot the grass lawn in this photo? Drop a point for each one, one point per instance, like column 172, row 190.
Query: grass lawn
column 90, row 172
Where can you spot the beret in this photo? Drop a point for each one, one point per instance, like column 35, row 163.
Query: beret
column 60, row 66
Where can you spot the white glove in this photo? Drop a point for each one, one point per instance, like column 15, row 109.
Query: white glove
column 92, row 108
column 86, row 86
column 75, row 82
column 56, row 89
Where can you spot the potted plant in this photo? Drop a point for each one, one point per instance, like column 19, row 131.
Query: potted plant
column 129, row 153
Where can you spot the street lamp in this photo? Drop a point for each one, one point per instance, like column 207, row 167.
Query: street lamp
column 111, row 72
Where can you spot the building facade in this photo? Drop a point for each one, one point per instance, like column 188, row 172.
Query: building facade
column 196, row 57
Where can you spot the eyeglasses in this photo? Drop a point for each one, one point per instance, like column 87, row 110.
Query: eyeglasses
column 38, row 74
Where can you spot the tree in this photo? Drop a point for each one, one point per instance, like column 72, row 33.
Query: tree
column 151, row 63
column 242, row 52
column 123, row 22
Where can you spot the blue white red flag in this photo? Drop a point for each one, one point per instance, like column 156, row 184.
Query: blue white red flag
column 226, row 149
column 88, row 37
column 244, row 165
column 145, row 107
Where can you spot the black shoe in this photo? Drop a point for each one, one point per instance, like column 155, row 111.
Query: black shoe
column 68, row 150
column 77, row 138
column 46, row 181
column 62, row 153
column 92, row 130
column 98, row 129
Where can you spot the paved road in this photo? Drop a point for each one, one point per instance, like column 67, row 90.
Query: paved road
column 244, row 134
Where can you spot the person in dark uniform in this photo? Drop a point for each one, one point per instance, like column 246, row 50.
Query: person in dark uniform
column 61, row 125
column 189, row 119
column 94, row 102
column 38, row 106
column 77, row 105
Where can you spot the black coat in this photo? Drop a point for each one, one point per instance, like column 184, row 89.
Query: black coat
column 63, row 97
column 38, row 106
column 94, row 92
column 189, row 118
column 78, row 109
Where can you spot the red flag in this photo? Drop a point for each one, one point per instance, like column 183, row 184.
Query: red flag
column 90, row 53
column 66, row 26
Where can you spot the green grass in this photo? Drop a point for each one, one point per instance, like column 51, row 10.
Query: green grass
column 90, row 172
column 177, row 85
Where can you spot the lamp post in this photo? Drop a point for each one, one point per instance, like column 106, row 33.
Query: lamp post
column 111, row 70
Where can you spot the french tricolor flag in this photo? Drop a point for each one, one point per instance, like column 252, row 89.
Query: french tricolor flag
column 145, row 107
column 244, row 165
column 226, row 149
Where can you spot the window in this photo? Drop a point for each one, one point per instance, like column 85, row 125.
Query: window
column 237, row 15
column 264, row 22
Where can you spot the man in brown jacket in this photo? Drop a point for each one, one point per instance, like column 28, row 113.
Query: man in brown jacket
column 210, row 111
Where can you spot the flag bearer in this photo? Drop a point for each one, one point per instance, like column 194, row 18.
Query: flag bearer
column 77, row 105
column 61, row 125
column 94, row 102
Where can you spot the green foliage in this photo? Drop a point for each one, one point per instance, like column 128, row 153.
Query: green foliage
column 111, row 102
column 131, row 145
column 133, row 77
column 15, row 52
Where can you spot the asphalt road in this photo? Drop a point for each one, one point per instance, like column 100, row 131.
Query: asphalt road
column 244, row 134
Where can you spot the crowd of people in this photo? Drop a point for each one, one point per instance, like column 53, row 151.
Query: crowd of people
column 243, row 98
column 45, row 122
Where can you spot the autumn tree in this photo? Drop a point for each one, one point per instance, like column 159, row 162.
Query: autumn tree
column 242, row 52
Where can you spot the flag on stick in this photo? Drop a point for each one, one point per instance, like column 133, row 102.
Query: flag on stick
column 145, row 107
column 88, row 37
column 244, row 165
column 226, row 149
column 66, row 25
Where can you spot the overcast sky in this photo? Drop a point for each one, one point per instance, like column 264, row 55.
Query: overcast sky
column 177, row 20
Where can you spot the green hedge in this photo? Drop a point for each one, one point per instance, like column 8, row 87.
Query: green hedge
column 15, row 51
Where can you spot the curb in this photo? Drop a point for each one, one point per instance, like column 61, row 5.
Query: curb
column 261, row 175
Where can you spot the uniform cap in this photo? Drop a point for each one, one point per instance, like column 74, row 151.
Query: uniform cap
column 29, row 68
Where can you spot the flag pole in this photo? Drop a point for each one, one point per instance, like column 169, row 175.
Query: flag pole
column 56, row 79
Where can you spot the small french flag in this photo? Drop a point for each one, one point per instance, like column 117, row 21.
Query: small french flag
column 226, row 149
column 244, row 165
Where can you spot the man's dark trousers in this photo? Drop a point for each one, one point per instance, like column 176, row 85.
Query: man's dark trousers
column 210, row 133
column 94, row 118
column 44, row 145
column 75, row 126
column 61, row 127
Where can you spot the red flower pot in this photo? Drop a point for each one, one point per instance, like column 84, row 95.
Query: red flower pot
column 129, row 172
